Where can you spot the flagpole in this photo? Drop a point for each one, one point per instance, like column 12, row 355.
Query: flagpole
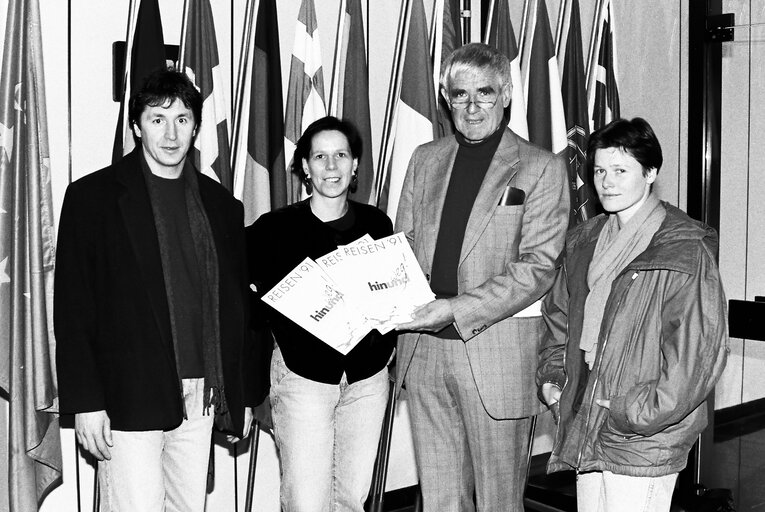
column 436, row 43
column 522, row 40
column 339, row 40
column 133, row 7
column 489, row 21
column 393, row 91
column 559, row 29
column 465, row 14
column 241, row 79
column 184, row 28
column 594, row 39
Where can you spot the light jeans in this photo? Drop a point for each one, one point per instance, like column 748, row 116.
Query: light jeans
column 157, row 471
column 327, row 437
column 608, row 492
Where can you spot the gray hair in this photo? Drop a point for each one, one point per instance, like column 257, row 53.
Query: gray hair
column 474, row 56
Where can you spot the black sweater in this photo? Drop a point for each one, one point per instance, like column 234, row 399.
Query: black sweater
column 276, row 243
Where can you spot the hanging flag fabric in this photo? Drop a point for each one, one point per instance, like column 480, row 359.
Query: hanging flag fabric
column 501, row 36
column 260, row 179
column 27, row 256
column 602, row 89
column 350, row 90
column 200, row 62
column 144, row 53
column 416, row 119
column 305, row 95
column 573, row 90
column 447, row 37
column 544, row 105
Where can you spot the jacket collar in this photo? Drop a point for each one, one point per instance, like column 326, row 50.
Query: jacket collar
column 661, row 252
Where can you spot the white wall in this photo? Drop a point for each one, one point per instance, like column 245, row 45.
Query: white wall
column 742, row 210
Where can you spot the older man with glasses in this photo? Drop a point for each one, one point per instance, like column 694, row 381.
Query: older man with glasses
column 486, row 214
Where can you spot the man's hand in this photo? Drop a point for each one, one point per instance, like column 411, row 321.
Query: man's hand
column 231, row 438
column 431, row 317
column 551, row 393
column 94, row 433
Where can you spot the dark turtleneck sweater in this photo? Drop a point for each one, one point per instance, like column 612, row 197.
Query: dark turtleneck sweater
column 470, row 166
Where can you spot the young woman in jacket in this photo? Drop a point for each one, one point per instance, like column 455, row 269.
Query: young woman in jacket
column 636, row 336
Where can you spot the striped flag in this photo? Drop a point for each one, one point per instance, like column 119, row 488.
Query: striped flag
column 415, row 119
column 305, row 96
column 260, row 181
column 571, row 66
column 446, row 37
column 27, row 252
column 544, row 105
column 350, row 90
column 500, row 35
column 199, row 60
column 144, row 53
column 602, row 90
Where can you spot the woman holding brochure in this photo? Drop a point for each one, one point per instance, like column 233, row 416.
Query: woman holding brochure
column 327, row 407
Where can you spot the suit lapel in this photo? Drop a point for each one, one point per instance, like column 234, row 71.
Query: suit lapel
column 500, row 172
column 138, row 217
column 438, row 172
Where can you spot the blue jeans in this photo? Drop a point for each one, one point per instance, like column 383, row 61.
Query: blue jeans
column 608, row 492
column 160, row 471
column 327, row 436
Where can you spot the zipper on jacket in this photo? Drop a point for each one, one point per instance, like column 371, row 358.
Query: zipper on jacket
column 597, row 376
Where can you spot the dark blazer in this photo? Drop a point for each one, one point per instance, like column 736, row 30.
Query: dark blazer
column 114, row 344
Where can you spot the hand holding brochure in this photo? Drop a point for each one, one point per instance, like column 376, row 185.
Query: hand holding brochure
column 308, row 297
column 368, row 284
column 382, row 277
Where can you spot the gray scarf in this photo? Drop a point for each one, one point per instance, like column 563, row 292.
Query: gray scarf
column 615, row 249
column 207, row 259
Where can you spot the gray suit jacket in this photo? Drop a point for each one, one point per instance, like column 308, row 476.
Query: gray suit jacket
column 507, row 261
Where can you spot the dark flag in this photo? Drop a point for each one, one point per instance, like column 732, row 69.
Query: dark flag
column 350, row 90
column 544, row 105
column 571, row 65
column 199, row 58
column 144, row 53
column 27, row 256
column 260, row 181
column 500, row 35
column 415, row 116
column 602, row 90
column 447, row 37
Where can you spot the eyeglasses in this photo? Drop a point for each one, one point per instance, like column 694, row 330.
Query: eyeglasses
column 484, row 100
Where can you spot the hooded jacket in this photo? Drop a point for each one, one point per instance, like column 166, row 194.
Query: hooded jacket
column 661, row 348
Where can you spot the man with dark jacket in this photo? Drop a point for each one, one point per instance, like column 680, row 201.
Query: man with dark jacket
column 150, row 310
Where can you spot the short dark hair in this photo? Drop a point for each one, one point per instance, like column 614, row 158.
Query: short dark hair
column 325, row 124
column 163, row 86
column 635, row 137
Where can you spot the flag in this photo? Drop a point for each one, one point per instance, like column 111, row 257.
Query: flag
column 144, row 53
column 602, row 90
column 544, row 105
column 350, row 90
column 571, row 66
column 199, row 59
column 447, row 37
column 305, row 95
column 415, row 119
column 260, row 181
column 500, row 34
column 27, row 257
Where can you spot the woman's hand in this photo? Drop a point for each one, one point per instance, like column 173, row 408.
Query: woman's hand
column 551, row 393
